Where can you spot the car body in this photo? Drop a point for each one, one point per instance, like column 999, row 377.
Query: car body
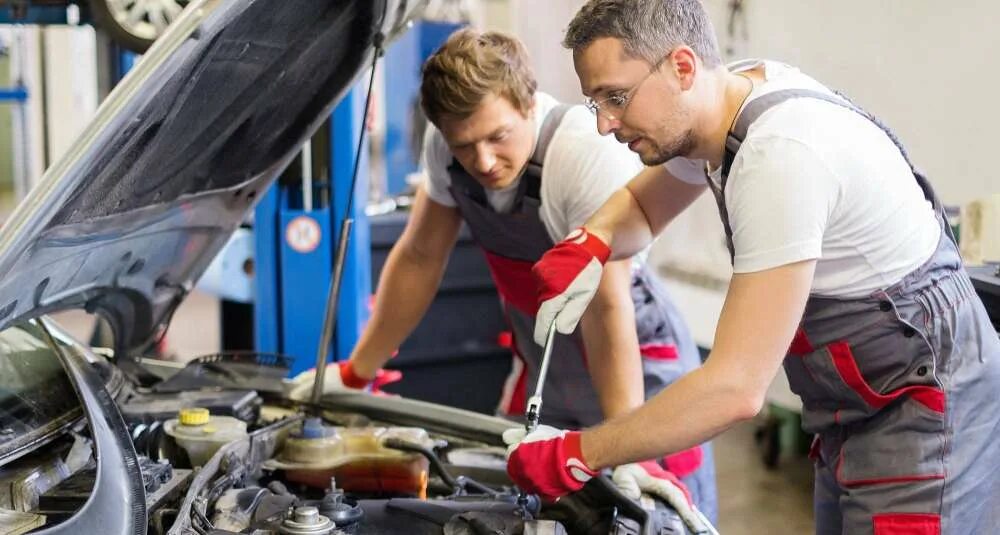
column 124, row 225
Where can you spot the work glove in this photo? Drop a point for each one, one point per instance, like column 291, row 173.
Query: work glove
column 650, row 478
column 340, row 376
column 547, row 461
column 567, row 277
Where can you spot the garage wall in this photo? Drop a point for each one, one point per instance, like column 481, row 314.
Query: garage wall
column 926, row 67
column 923, row 67
column 71, row 98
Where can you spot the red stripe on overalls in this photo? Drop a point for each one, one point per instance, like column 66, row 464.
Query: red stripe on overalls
column 659, row 351
column 800, row 344
column 843, row 359
column 516, row 287
column 514, row 282
column 930, row 397
column 906, row 524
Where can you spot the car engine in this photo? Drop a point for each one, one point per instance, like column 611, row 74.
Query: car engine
column 223, row 461
column 344, row 472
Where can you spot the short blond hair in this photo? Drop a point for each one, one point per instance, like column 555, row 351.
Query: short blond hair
column 471, row 66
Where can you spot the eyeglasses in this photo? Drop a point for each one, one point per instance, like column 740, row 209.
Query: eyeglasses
column 614, row 106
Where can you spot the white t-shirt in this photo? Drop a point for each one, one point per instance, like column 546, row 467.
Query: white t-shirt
column 581, row 169
column 813, row 180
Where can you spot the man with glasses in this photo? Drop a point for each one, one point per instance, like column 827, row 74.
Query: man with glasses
column 522, row 170
column 844, row 268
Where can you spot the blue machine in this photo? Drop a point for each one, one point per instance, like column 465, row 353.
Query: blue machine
column 295, row 252
column 33, row 14
column 295, row 246
column 403, row 62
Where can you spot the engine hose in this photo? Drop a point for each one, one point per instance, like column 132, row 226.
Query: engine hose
column 465, row 481
column 436, row 465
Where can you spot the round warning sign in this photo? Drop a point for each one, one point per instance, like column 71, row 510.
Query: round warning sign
column 303, row 234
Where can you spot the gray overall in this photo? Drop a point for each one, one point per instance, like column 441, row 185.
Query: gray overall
column 512, row 243
column 900, row 388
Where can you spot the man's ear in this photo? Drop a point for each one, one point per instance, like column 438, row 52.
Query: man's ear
column 684, row 63
column 530, row 112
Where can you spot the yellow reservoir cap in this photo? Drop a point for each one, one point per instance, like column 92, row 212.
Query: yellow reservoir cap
column 193, row 416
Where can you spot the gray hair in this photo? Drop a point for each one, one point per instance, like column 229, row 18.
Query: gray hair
column 648, row 29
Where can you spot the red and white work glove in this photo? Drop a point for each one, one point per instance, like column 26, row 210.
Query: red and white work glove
column 648, row 477
column 340, row 376
column 547, row 462
column 567, row 277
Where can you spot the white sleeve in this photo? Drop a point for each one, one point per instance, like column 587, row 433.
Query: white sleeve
column 435, row 159
column 581, row 173
column 780, row 196
column 687, row 170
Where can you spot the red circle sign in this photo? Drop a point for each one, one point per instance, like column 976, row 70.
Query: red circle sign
column 303, row 234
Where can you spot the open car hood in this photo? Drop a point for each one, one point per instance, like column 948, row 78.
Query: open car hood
column 126, row 222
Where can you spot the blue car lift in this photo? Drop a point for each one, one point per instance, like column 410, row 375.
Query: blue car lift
column 295, row 252
column 295, row 243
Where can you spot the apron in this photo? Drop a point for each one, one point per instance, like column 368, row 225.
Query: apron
column 899, row 387
column 512, row 243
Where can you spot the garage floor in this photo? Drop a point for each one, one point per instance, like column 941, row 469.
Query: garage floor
column 752, row 499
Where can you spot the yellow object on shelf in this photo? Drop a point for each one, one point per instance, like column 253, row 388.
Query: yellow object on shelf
column 981, row 231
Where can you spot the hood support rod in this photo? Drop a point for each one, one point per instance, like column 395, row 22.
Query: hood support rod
column 333, row 296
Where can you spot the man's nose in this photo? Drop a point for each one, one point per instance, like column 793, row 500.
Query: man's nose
column 485, row 159
column 606, row 125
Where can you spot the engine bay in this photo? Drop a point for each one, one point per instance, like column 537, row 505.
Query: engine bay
column 224, row 461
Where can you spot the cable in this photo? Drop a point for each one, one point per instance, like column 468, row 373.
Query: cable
column 361, row 138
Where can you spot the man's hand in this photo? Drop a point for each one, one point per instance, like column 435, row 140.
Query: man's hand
column 340, row 376
column 649, row 477
column 547, row 461
column 567, row 277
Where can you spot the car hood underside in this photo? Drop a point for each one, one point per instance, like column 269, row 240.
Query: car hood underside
column 131, row 216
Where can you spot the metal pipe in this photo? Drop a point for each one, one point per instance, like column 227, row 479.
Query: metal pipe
column 307, row 177
column 534, row 411
column 332, row 301
column 535, row 402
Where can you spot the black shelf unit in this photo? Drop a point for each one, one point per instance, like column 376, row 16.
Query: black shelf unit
column 986, row 280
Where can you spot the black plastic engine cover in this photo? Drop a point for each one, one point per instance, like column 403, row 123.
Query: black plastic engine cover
column 429, row 517
column 148, row 408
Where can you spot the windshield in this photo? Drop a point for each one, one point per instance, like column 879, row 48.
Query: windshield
column 36, row 396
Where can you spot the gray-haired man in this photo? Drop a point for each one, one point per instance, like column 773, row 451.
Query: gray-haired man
column 844, row 267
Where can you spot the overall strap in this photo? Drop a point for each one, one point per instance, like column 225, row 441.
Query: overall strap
column 531, row 182
column 548, row 131
column 756, row 107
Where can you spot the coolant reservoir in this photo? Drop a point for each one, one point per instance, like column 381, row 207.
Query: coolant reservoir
column 201, row 434
column 356, row 457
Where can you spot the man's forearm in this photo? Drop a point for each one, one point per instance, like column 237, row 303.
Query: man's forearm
column 609, row 336
column 692, row 410
column 750, row 344
column 621, row 224
column 637, row 213
column 407, row 287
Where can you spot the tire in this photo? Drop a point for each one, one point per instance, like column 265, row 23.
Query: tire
column 111, row 16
